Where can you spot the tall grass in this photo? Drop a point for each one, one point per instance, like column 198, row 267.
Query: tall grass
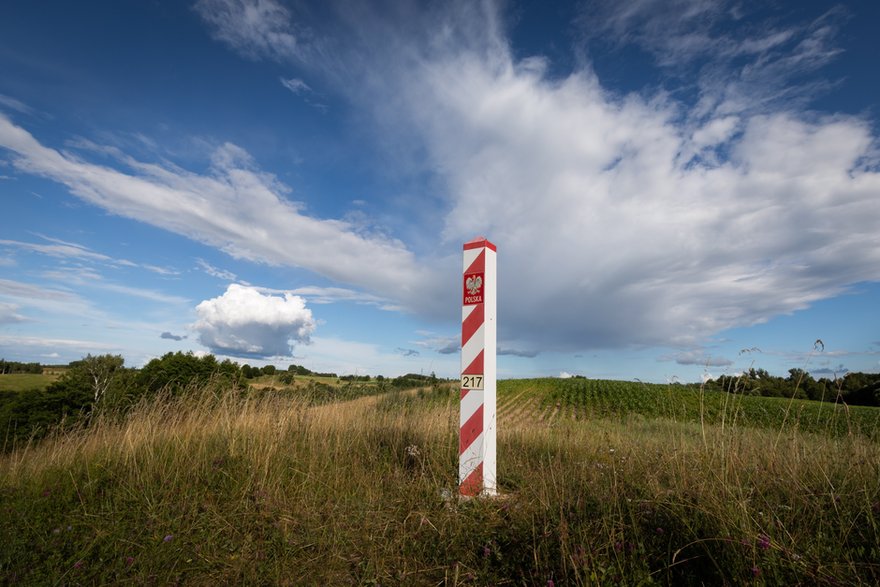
column 228, row 489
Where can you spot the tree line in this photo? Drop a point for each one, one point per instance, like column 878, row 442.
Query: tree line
column 860, row 389
column 10, row 367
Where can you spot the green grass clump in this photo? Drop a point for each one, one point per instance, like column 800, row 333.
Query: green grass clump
column 209, row 489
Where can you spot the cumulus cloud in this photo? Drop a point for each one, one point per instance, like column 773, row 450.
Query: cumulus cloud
column 245, row 322
column 170, row 336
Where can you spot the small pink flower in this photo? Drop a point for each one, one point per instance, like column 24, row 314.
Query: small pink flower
column 78, row 564
column 129, row 560
column 755, row 571
column 763, row 542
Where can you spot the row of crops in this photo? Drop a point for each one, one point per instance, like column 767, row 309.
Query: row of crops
column 553, row 399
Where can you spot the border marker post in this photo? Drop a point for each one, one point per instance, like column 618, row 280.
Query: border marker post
column 477, row 447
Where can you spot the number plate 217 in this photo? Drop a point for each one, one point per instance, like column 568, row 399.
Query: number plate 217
column 472, row 382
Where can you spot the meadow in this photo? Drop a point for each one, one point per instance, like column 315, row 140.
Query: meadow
column 17, row 382
column 601, row 484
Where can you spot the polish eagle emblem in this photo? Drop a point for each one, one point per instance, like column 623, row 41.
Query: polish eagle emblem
column 473, row 284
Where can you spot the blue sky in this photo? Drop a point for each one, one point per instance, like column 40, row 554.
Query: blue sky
column 676, row 189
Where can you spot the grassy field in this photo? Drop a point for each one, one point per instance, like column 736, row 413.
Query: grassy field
column 271, row 490
column 26, row 381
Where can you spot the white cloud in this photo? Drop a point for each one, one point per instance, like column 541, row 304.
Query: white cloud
column 94, row 280
column 235, row 207
column 164, row 271
column 295, row 85
column 260, row 28
column 59, row 250
column 9, row 314
column 223, row 274
column 245, row 322
column 329, row 295
column 13, row 104
column 741, row 63
column 23, row 344
column 607, row 235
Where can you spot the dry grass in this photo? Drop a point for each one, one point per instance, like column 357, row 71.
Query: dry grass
column 229, row 489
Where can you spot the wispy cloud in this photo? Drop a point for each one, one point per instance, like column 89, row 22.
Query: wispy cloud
column 91, row 279
column 13, row 104
column 169, row 336
column 223, row 274
column 59, row 250
column 254, row 28
column 302, row 89
column 36, row 342
column 296, row 85
column 742, row 63
column 407, row 352
column 9, row 314
column 164, row 271
column 236, row 207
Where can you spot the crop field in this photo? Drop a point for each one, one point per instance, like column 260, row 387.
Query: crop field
column 553, row 400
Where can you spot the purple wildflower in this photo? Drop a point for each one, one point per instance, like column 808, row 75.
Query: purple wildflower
column 755, row 571
column 550, row 583
column 129, row 560
column 763, row 542
column 78, row 564
column 659, row 530
column 168, row 538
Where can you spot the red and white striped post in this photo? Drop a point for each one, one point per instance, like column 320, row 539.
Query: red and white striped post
column 477, row 446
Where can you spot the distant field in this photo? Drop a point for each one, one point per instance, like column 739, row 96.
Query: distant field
column 552, row 400
column 26, row 381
